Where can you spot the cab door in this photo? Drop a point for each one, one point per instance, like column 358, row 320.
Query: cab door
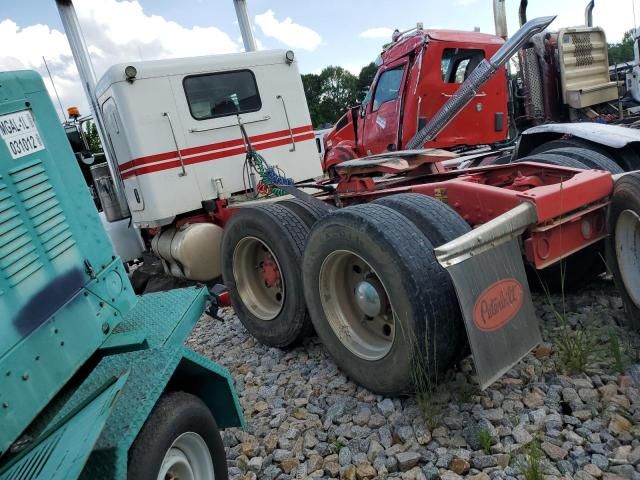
column 384, row 111
column 483, row 120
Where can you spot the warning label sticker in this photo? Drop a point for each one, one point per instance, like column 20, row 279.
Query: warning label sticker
column 20, row 134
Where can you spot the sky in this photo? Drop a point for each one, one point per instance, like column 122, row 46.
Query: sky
column 348, row 33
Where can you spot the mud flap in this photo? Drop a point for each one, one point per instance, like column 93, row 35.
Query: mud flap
column 490, row 281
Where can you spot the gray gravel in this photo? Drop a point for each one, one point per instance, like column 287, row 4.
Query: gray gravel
column 305, row 419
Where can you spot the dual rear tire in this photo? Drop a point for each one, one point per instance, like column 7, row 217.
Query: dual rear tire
column 378, row 299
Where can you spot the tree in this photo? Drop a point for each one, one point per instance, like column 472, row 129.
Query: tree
column 365, row 79
column 93, row 139
column 622, row 52
column 313, row 91
column 333, row 91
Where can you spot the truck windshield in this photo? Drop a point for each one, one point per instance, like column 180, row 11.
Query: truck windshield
column 388, row 87
column 458, row 63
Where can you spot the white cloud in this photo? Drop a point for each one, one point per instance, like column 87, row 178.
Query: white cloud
column 286, row 31
column 377, row 32
column 465, row 3
column 115, row 31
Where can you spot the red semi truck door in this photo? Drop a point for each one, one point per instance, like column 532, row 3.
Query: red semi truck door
column 383, row 113
column 484, row 120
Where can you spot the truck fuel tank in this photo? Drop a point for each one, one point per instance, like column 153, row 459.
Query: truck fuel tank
column 191, row 251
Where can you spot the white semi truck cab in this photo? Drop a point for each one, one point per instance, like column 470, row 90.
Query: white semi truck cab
column 175, row 128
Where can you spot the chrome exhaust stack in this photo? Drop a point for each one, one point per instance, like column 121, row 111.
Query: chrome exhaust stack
column 245, row 25
column 522, row 12
column 88, row 78
column 481, row 75
column 588, row 13
column 500, row 18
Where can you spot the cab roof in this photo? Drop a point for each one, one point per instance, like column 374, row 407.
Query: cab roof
column 189, row 66
column 410, row 42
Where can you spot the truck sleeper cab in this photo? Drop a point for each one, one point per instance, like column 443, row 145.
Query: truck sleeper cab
column 174, row 126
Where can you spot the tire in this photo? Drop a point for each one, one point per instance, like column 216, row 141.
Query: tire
column 419, row 342
column 439, row 222
column 175, row 414
column 554, row 159
column 621, row 246
column 572, row 142
column 254, row 240
column 576, row 270
column 591, row 158
column 309, row 212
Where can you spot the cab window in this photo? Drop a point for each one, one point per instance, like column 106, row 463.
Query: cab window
column 388, row 87
column 220, row 94
column 458, row 63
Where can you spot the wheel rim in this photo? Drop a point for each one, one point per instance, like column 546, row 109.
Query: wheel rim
column 258, row 278
column 627, row 243
column 188, row 458
column 357, row 305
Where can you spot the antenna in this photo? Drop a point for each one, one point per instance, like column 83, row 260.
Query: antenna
column 633, row 8
column 54, row 88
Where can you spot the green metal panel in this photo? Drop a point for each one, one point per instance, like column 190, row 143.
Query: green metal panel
column 165, row 363
column 61, row 285
column 62, row 454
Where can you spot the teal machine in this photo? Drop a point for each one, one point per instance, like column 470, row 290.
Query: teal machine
column 94, row 381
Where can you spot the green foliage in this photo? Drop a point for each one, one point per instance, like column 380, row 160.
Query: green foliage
column 484, row 439
column 623, row 51
column 334, row 90
column 93, row 139
column 577, row 349
column 336, row 446
column 431, row 407
column 365, row 79
column 616, row 352
column 532, row 465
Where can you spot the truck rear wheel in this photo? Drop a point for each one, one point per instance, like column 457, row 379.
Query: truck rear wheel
column 622, row 247
column 180, row 439
column 554, row 159
column 439, row 222
column 378, row 298
column 261, row 255
column 591, row 158
column 308, row 212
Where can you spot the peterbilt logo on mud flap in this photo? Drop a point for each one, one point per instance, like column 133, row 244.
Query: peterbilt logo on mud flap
column 498, row 304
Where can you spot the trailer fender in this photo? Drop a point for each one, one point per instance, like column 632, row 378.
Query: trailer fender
column 211, row 383
column 622, row 142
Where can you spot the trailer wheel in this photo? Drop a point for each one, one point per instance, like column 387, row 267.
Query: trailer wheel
column 309, row 212
column 180, row 439
column 261, row 255
column 378, row 299
column 589, row 157
column 439, row 222
column 622, row 247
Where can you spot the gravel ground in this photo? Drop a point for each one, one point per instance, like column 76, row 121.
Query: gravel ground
column 305, row 419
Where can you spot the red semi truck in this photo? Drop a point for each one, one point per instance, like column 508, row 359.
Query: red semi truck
column 562, row 76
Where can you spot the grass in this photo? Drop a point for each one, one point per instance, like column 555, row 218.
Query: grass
column 432, row 408
column 484, row 439
column 337, row 446
column 577, row 349
column 532, row 465
column 616, row 352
